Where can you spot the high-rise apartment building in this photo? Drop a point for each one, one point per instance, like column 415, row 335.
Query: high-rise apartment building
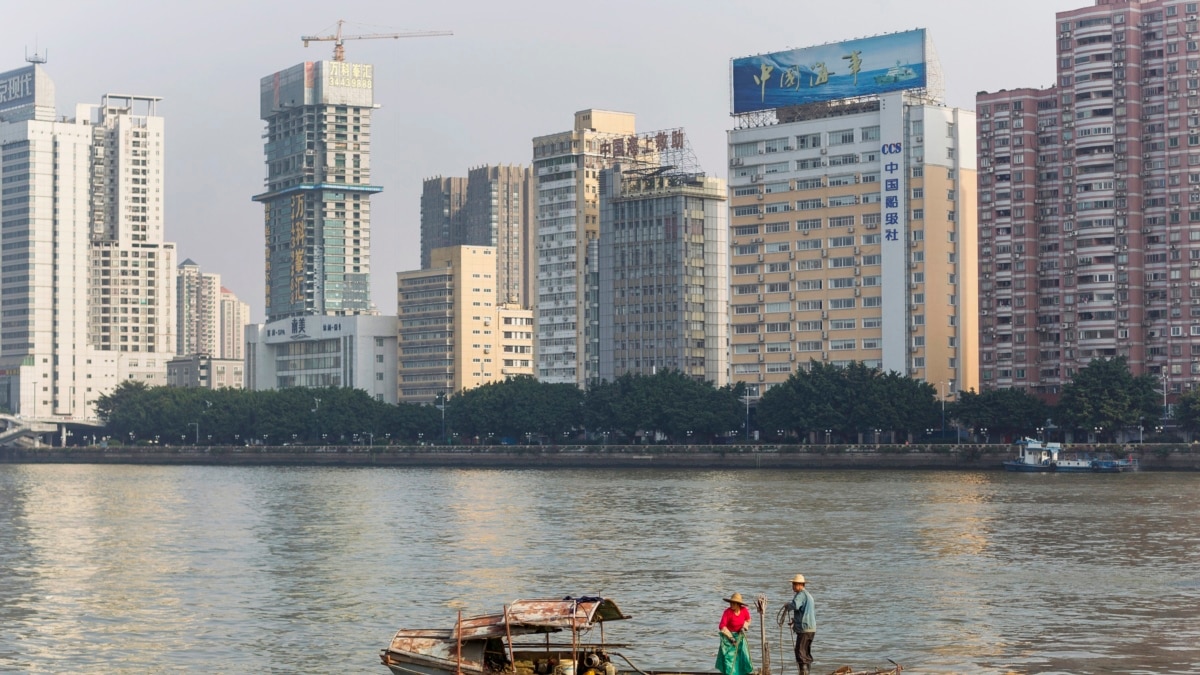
column 234, row 317
column 197, row 306
column 567, row 167
column 492, row 206
column 211, row 319
column 663, row 270
column 1089, row 200
column 442, row 215
column 88, row 281
column 852, row 216
column 453, row 334
column 317, row 209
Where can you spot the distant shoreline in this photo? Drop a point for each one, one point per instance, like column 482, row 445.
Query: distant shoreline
column 883, row 457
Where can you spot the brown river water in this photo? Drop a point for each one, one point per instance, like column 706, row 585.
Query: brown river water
column 144, row 569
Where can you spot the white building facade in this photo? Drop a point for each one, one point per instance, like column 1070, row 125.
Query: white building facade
column 324, row 351
column 87, row 288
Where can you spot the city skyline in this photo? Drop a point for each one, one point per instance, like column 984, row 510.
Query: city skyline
column 679, row 78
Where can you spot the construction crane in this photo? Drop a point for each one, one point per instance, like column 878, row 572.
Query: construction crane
column 339, row 51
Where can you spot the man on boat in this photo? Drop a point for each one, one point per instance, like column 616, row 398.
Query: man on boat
column 804, row 623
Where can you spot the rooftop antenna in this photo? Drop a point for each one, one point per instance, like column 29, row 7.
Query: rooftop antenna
column 36, row 58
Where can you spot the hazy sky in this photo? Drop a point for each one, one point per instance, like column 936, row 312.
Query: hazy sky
column 514, row 69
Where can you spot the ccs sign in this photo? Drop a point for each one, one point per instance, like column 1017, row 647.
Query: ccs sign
column 892, row 148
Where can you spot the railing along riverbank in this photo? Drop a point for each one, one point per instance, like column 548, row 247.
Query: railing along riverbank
column 973, row 457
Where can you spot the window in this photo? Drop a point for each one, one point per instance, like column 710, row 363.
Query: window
column 841, row 137
column 843, row 324
column 841, row 303
column 841, row 241
column 870, row 133
column 847, row 261
column 842, row 345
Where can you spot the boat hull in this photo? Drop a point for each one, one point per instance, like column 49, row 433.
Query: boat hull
column 1022, row 467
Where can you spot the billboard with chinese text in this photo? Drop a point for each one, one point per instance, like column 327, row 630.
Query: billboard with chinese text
column 828, row 72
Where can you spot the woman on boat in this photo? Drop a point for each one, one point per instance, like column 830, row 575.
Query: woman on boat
column 734, row 655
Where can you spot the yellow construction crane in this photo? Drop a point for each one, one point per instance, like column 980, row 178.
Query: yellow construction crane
column 339, row 52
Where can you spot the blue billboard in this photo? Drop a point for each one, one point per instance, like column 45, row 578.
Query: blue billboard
column 17, row 87
column 837, row 70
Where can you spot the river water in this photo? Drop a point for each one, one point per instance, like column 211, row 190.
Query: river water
column 141, row 569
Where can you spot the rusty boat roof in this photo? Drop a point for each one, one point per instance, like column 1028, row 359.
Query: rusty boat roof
column 525, row 617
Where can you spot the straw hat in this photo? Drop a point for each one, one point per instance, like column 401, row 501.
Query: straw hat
column 798, row 579
column 736, row 597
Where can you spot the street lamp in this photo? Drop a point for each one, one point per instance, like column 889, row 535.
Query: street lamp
column 1098, row 432
column 876, row 437
column 828, row 435
column 984, row 431
column 197, row 425
column 1041, row 432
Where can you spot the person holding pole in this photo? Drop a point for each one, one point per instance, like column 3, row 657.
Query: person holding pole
column 733, row 658
column 804, row 623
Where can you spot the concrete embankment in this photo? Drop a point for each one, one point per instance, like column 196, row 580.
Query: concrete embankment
column 917, row 457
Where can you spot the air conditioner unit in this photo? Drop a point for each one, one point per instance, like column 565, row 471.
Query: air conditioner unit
column 824, row 335
column 918, row 139
column 760, row 216
column 824, row 315
column 824, row 356
column 760, row 196
column 824, row 151
column 824, row 253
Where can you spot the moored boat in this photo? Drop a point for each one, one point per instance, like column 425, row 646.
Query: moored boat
column 518, row 641
column 1034, row 456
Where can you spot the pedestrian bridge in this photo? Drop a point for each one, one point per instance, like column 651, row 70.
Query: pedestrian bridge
column 26, row 432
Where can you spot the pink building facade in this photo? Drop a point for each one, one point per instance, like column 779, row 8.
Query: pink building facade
column 1089, row 204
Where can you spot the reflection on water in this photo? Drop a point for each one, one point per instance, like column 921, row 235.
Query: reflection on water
column 216, row 569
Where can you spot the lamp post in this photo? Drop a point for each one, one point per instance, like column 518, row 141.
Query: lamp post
column 1165, row 382
column 197, row 425
column 828, row 435
column 1041, row 432
column 1098, row 430
column 1141, row 433
column 984, row 431
column 131, row 438
column 948, row 383
column 442, row 407
column 876, row 437
column 747, row 397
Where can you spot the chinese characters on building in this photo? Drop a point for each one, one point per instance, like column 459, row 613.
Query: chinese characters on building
column 893, row 192
column 644, row 144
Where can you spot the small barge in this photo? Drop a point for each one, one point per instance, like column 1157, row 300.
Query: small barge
column 1033, row 456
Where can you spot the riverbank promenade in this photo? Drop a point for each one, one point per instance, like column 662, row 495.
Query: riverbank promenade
column 963, row 457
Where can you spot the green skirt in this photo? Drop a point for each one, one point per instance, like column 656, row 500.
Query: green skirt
column 734, row 656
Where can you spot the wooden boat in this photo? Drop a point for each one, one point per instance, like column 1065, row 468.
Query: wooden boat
column 518, row 641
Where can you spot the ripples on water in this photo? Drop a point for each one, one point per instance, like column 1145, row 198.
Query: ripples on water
column 214, row 569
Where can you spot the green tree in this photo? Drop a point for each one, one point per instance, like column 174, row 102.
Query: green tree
column 1010, row 412
column 1105, row 395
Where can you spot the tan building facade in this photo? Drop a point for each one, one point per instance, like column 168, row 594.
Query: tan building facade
column 566, row 168
column 201, row 371
column 453, row 335
column 852, row 238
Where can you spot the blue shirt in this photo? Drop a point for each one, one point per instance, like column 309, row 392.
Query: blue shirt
column 804, row 615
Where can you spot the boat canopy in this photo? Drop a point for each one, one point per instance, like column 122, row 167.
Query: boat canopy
column 526, row 617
